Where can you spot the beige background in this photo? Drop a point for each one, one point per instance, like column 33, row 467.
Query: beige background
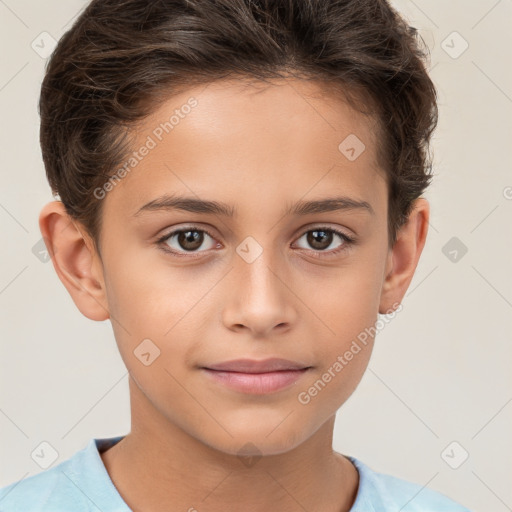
column 441, row 369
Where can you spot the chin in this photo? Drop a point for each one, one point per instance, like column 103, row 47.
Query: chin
column 258, row 441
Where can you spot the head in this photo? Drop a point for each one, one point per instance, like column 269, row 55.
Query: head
column 288, row 141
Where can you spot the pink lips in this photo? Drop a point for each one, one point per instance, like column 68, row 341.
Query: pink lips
column 256, row 377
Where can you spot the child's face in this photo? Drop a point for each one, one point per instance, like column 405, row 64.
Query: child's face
column 258, row 151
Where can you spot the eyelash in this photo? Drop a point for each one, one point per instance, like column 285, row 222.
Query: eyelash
column 347, row 241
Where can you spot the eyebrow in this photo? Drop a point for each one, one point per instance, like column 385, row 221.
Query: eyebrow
column 194, row 205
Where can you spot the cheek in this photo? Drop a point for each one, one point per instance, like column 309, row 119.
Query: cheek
column 155, row 309
column 344, row 301
column 346, row 311
column 146, row 294
column 342, row 360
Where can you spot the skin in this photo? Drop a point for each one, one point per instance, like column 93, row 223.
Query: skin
column 256, row 148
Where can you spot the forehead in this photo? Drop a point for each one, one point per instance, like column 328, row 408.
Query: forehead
column 240, row 140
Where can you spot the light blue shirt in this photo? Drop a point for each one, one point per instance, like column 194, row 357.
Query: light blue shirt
column 82, row 484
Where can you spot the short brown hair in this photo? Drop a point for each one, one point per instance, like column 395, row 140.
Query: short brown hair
column 121, row 57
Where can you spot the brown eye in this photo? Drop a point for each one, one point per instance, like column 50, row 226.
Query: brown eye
column 190, row 240
column 320, row 239
column 187, row 240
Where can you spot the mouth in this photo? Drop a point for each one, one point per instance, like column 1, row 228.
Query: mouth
column 256, row 377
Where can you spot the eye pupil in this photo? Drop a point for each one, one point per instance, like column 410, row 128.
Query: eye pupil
column 185, row 238
column 319, row 244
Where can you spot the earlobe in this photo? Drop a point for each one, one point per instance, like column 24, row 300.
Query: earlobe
column 75, row 260
column 404, row 256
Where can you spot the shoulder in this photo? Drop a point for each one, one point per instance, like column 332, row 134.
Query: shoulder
column 52, row 489
column 79, row 483
column 385, row 493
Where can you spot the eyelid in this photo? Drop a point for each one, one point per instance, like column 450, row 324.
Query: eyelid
column 162, row 239
column 348, row 233
column 348, row 240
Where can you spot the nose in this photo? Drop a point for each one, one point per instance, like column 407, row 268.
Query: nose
column 259, row 298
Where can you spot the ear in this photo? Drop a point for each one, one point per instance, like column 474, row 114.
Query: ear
column 404, row 256
column 75, row 260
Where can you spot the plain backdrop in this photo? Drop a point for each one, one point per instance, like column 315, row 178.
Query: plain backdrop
column 438, row 388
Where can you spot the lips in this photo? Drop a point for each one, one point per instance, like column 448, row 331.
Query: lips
column 254, row 366
column 256, row 377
